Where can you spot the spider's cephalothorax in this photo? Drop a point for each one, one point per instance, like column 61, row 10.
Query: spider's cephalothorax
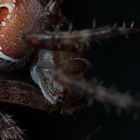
column 17, row 17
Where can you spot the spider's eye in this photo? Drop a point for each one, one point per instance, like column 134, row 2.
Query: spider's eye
column 3, row 13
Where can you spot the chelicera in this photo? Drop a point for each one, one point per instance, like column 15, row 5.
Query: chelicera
column 37, row 31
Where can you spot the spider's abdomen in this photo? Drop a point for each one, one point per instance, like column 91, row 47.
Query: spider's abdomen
column 17, row 17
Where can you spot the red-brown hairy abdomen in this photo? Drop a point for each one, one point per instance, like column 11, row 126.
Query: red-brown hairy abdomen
column 17, row 17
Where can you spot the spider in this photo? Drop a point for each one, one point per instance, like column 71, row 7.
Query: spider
column 36, row 32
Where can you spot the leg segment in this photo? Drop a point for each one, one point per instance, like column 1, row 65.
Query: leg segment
column 76, row 41
column 94, row 91
column 8, row 128
column 18, row 93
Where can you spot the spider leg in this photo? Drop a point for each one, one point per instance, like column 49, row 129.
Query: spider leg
column 95, row 91
column 75, row 40
column 18, row 93
column 9, row 129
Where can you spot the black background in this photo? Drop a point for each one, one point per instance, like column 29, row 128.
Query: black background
column 115, row 62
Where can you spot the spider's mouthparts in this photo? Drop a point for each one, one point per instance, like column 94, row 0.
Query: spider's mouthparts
column 17, row 17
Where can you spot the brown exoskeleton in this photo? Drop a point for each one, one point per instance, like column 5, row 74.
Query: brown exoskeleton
column 40, row 31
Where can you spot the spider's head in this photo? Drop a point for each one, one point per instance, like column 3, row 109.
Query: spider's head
column 17, row 17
